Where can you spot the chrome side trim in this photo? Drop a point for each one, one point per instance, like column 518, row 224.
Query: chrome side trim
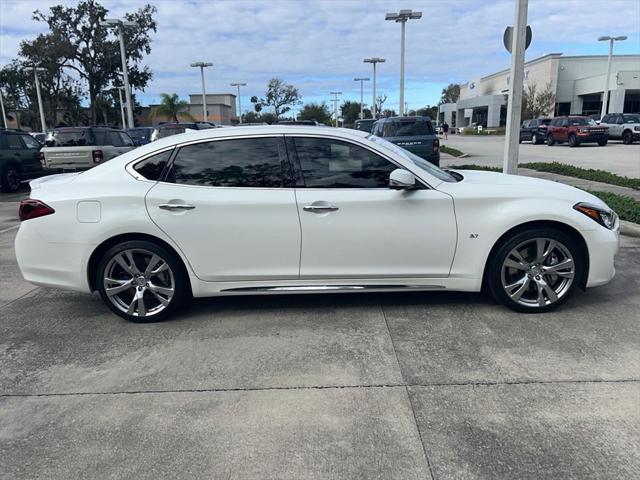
column 332, row 288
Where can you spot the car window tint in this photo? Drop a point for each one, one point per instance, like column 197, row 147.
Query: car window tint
column 114, row 139
column 126, row 139
column 100, row 137
column 14, row 143
column 250, row 162
column 31, row 142
column 329, row 163
column 412, row 128
column 151, row 168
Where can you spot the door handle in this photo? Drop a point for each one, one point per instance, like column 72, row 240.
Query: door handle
column 320, row 208
column 176, row 206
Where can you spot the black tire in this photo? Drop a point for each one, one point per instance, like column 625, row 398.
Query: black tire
column 627, row 137
column 181, row 287
column 534, row 139
column 10, row 178
column 602, row 143
column 573, row 141
column 550, row 141
column 507, row 245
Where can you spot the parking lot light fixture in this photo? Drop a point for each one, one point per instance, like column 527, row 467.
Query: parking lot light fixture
column 239, row 101
column 401, row 17
column 335, row 105
column 605, row 94
column 202, row 66
column 374, row 61
column 361, row 80
column 119, row 26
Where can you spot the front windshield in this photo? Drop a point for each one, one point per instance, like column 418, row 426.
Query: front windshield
column 420, row 162
column 577, row 122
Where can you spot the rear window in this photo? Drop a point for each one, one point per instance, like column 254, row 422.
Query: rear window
column 139, row 133
column 407, row 128
column 78, row 137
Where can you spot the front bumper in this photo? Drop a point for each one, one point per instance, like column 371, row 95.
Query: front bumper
column 603, row 246
column 592, row 137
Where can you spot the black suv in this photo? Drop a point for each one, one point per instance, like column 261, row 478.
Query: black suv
column 534, row 130
column 19, row 158
column 415, row 134
column 365, row 124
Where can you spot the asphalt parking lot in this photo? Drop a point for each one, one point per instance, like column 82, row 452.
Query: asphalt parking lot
column 615, row 157
column 370, row 386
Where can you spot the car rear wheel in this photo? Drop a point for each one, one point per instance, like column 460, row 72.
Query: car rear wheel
column 10, row 179
column 550, row 141
column 536, row 270
column 141, row 281
column 627, row 137
column 573, row 141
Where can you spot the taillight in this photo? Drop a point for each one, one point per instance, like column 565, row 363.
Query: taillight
column 31, row 208
column 42, row 162
column 435, row 145
column 97, row 156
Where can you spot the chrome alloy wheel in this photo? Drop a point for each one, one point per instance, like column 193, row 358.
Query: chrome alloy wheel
column 139, row 282
column 538, row 272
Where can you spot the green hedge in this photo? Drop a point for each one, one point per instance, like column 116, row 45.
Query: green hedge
column 627, row 208
column 451, row 151
column 475, row 167
column 584, row 173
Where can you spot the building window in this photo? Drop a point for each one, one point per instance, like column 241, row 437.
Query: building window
column 562, row 108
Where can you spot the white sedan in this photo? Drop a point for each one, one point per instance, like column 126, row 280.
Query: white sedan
column 290, row 209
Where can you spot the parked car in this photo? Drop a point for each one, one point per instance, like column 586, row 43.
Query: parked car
column 415, row 134
column 364, row 125
column 19, row 159
column 39, row 136
column 81, row 148
column 140, row 135
column 277, row 209
column 168, row 129
column 575, row 130
column 297, row 122
column 622, row 126
column 534, row 130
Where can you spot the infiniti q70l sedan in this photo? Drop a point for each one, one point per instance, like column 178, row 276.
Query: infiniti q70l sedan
column 295, row 209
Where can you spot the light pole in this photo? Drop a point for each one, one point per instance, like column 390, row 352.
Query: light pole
column 239, row 101
column 121, row 105
column 119, row 26
column 401, row 17
column 335, row 104
column 37, row 70
column 374, row 60
column 202, row 66
column 361, row 80
column 4, row 115
column 605, row 95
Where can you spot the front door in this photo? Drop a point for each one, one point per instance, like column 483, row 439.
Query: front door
column 354, row 226
column 226, row 205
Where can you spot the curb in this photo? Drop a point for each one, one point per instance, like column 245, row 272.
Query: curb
column 629, row 228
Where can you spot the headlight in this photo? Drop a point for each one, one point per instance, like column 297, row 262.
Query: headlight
column 606, row 218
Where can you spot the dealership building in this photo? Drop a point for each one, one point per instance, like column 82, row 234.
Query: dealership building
column 577, row 81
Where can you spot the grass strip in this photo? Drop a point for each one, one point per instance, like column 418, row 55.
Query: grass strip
column 627, row 208
column 451, row 151
column 584, row 173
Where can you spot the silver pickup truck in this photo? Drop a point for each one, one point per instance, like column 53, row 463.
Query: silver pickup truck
column 80, row 148
column 622, row 126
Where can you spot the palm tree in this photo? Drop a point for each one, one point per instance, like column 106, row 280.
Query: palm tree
column 171, row 106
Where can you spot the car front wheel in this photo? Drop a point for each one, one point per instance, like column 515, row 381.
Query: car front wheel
column 627, row 137
column 550, row 141
column 141, row 281
column 536, row 270
column 573, row 141
column 10, row 179
column 534, row 139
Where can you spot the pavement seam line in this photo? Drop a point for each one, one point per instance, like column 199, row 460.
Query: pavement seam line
column 406, row 390
column 15, row 227
column 20, row 297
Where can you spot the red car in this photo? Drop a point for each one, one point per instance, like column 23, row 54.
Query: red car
column 575, row 130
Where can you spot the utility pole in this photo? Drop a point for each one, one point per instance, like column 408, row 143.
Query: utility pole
column 335, row 105
column 202, row 66
column 361, row 80
column 43, row 123
column 605, row 94
column 4, row 114
column 373, row 61
column 518, row 46
column 121, row 105
column 401, row 17
column 239, row 101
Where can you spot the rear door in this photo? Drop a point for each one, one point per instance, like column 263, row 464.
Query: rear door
column 229, row 206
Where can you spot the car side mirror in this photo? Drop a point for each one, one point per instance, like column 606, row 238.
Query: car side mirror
column 401, row 179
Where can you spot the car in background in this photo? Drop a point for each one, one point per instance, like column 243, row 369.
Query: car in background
column 81, row 148
column 19, row 159
column 622, row 126
column 534, row 130
column 576, row 129
column 415, row 134
column 39, row 136
column 167, row 129
column 140, row 135
column 297, row 122
column 365, row 124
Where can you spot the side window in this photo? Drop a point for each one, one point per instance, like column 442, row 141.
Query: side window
column 250, row 162
column 565, row 122
column 31, row 142
column 114, row 139
column 14, row 143
column 151, row 168
column 99, row 137
column 620, row 120
column 126, row 139
column 388, row 130
column 329, row 163
column 526, row 124
column 605, row 119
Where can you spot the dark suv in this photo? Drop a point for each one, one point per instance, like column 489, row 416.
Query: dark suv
column 415, row 134
column 575, row 130
column 534, row 130
column 364, row 125
column 19, row 158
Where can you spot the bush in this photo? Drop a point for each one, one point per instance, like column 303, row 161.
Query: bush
column 451, row 151
column 627, row 208
column 485, row 168
column 584, row 173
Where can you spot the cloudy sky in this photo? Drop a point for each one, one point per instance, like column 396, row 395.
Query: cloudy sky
column 319, row 45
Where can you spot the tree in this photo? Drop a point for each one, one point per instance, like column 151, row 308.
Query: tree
column 93, row 53
column 351, row 112
column 389, row 112
column 429, row 111
column 380, row 99
column 315, row 111
column 171, row 106
column 450, row 94
column 279, row 95
column 537, row 104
